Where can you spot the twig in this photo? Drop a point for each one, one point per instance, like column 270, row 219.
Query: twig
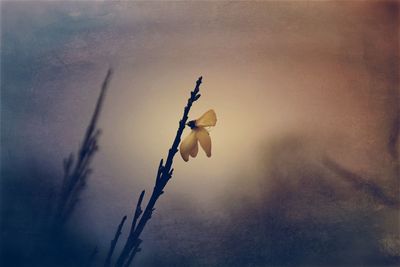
column 114, row 242
column 138, row 212
column 363, row 184
column 135, row 250
column 164, row 174
column 77, row 172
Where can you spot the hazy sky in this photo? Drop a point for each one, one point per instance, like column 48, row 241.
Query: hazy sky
column 324, row 70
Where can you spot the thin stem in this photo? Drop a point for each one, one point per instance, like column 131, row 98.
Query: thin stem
column 77, row 171
column 114, row 242
column 135, row 249
column 138, row 212
column 164, row 174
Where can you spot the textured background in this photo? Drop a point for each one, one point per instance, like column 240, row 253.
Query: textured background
column 291, row 82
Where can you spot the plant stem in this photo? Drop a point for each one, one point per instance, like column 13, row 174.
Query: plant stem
column 77, row 172
column 114, row 242
column 164, row 174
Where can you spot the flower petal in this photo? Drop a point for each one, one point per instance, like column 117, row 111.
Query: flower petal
column 207, row 119
column 194, row 150
column 204, row 139
column 187, row 145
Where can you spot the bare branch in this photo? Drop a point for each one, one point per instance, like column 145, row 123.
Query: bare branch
column 135, row 250
column 77, row 172
column 164, row 173
column 138, row 211
column 114, row 242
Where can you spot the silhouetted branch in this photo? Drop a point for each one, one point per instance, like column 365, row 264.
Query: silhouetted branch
column 135, row 250
column 114, row 242
column 363, row 184
column 77, row 171
column 138, row 212
column 164, row 173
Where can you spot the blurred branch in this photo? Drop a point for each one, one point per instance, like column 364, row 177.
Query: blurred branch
column 363, row 184
column 76, row 172
column 114, row 242
column 164, row 174
column 135, row 250
column 367, row 185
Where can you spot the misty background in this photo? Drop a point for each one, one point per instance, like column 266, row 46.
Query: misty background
column 302, row 90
